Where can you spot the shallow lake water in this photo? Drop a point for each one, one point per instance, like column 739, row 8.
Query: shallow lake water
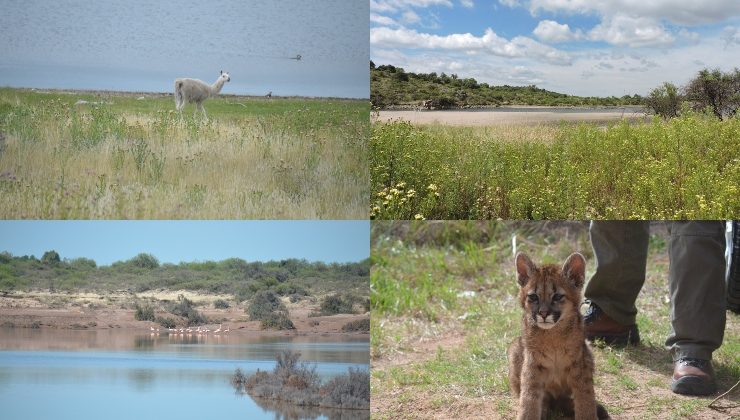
column 141, row 45
column 114, row 374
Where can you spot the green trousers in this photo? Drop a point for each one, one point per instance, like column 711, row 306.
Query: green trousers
column 695, row 277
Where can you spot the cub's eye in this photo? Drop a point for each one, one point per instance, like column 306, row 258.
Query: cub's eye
column 557, row 297
column 532, row 297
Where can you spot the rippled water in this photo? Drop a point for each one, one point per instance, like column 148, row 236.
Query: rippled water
column 139, row 45
column 122, row 375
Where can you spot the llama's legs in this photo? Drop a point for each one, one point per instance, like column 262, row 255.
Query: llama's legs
column 202, row 109
column 181, row 104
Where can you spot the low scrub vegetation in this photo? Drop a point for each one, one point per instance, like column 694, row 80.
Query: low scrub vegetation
column 166, row 322
column 233, row 276
column 266, row 307
column 185, row 308
column 300, row 384
column 337, row 304
column 263, row 304
column 143, row 312
column 277, row 321
column 392, row 86
column 361, row 325
column 683, row 168
column 221, row 304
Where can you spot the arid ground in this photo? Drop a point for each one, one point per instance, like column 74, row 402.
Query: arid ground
column 73, row 310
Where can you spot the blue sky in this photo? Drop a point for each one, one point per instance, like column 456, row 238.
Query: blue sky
column 176, row 241
column 583, row 47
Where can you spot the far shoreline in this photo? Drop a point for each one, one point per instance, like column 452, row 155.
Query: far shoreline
column 125, row 93
column 510, row 115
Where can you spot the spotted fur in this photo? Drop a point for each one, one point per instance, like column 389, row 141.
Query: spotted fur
column 551, row 365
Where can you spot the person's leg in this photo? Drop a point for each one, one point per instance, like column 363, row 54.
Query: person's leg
column 620, row 248
column 698, row 302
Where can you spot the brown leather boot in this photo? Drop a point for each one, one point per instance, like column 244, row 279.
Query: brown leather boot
column 600, row 326
column 693, row 377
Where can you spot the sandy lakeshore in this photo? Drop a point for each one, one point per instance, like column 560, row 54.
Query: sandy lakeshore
column 533, row 115
column 111, row 311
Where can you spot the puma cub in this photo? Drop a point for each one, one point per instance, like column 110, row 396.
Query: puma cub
column 550, row 365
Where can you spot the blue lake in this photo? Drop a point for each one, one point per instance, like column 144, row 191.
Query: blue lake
column 140, row 45
column 111, row 374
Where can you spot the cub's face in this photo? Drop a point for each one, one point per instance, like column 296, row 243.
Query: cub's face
column 550, row 293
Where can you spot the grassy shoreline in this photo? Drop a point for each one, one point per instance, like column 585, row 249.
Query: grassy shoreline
column 685, row 168
column 117, row 157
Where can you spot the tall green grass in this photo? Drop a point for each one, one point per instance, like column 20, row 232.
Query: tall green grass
column 123, row 158
column 686, row 168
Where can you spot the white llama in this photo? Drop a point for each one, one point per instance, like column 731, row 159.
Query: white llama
column 194, row 90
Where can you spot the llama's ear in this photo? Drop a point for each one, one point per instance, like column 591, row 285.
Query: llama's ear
column 524, row 268
column 222, row 72
column 574, row 270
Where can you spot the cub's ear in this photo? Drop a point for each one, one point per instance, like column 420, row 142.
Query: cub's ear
column 574, row 269
column 524, row 268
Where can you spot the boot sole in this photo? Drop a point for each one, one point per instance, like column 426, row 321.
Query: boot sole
column 693, row 385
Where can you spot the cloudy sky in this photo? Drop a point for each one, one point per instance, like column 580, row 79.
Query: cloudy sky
column 581, row 47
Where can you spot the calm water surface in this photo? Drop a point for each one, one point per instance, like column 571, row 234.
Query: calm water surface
column 140, row 45
column 122, row 375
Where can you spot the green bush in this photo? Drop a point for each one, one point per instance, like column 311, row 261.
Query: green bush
column 143, row 260
column 263, row 304
column 221, row 304
column 357, row 325
column 337, row 304
column 185, row 308
column 143, row 312
column 277, row 321
column 166, row 322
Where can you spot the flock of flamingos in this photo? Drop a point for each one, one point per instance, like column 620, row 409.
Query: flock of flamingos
column 190, row 331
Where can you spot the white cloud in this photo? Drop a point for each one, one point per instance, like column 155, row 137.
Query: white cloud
column 490, row 43
column 509, row 3
column 688, row 12
column 553, row 32
column 382, row 6
column 410, row 17
column 382, row 20
column 467, row 3
column 628, row 31
column 731, row 36
column 689, row 35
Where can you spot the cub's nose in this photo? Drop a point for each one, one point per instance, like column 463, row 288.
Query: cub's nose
column 544, row 314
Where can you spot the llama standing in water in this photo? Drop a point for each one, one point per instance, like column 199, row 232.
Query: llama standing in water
column 194, row 90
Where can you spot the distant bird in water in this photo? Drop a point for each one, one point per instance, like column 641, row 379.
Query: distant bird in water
column 296, row 58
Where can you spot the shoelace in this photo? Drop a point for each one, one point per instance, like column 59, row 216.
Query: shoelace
column 690, row 361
